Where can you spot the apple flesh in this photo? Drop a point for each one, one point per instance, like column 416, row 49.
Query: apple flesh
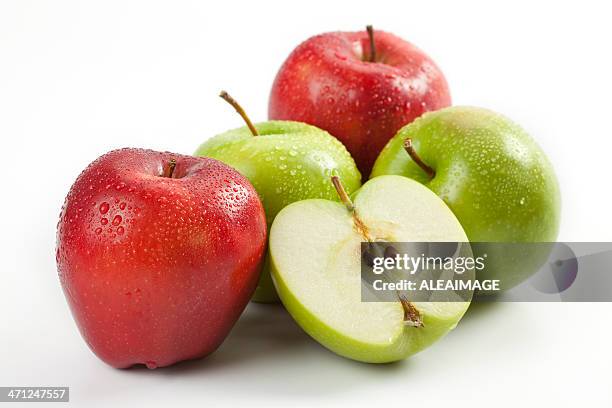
column 158, row 254
column 315, row 256
column 329, row 81
column 493, row 176
column 286, row 162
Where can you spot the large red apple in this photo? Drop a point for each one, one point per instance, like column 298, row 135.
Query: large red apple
column 158, row 255
column 335, row 82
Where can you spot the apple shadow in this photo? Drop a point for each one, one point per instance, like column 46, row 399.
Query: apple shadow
column 267, row 348
column 264, row 331
column 482, row 305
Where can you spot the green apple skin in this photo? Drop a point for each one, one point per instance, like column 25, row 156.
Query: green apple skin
column 493, row 176
column 287, row 162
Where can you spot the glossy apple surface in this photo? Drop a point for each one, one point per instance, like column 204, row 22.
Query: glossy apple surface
column 315, row 250
column 286, row 162
column 158, row 262
column 329, row 82
column 494, row 177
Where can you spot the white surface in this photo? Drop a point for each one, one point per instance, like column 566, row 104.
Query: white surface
column 80, row 78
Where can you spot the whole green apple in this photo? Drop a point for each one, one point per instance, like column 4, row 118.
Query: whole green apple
column 286, row 162
column 492, row 175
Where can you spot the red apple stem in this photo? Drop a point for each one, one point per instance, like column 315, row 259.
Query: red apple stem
column 169, row 171
column 240, row 111
column 370, row 31
column 409, row 147
column 344, row 197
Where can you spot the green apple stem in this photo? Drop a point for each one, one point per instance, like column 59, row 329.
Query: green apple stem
column 240, row 111
column 408, row 146
column 370, row 31
column 169, row 171
column 412, row 317
column 346, row 200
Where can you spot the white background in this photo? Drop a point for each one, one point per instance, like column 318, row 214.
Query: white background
column 78, row 79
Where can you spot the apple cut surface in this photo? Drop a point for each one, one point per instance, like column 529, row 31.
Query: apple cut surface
column 315, row 255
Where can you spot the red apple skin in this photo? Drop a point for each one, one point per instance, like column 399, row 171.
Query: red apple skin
column 327, row 82
column 155, row 269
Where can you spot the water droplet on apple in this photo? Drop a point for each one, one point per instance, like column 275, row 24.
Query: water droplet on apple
column 120, row 230
column 151, row 365
column 104, row 221
column 104, row 208
column 117, row 220
column 98, row 231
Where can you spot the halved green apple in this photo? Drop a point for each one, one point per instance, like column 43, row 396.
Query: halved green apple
column 315, row 256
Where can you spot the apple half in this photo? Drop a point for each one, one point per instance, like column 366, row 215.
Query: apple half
column 315, row 256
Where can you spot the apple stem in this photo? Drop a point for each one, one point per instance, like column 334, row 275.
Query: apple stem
column 370, row 31
column 346, row 200
column 170, row 169
column 412, row 317
column 409, row 147
column 240, row 111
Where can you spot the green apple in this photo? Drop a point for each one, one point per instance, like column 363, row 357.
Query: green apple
column 492, row 175
column 286, row 162
column 315, row 256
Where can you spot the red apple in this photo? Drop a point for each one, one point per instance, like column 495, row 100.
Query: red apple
column 334, row 81
column 158, row 255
